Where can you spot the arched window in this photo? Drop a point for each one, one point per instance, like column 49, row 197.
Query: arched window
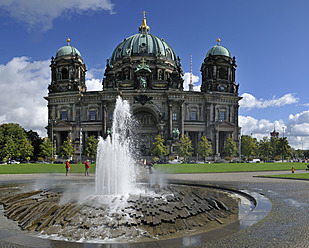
column 65, row 73
column 222, row 115
column 193, row 116
column 92, row 115
column 222, row 73
column 64, row 115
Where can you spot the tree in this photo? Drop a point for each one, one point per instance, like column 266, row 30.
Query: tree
column 283, row 147
column 248, row 146
column 9, row 149
column 158, row 148
column 265, row 148
column 26, row 149
column 46, row 148
column 11, row 136
column 67, row 148
column 230, row 149
column 274, row 147
column 185, row 148
column 204, row 148
column 91, row 146
column 36, row 142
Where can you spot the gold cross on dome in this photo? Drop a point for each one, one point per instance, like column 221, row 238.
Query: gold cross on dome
column 144, row 13
column 143, row 61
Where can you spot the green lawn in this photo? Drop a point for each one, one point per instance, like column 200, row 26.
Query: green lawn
column 226, row 167
column 161, row 168
column 291, row 176
column 42, row 168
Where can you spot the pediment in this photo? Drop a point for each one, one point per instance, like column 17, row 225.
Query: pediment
column 61, row 124
column 226, row 126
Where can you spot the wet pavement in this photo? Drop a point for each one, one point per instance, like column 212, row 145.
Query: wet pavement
column 285, row 226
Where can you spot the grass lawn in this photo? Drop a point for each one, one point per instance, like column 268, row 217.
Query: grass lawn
column 42, row 168
column 226, row 167
column 161, row 168
column 290, row 176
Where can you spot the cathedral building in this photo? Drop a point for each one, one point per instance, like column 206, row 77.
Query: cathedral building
column 144, row 70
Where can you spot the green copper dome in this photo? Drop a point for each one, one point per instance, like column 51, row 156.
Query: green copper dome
column 68, row 50
column 219, row 50
column 143, row 44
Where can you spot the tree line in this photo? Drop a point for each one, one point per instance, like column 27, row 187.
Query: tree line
column 185, row 148
column 273, row 148
column 17, row 143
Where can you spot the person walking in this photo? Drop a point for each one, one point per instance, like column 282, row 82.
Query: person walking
column 87, row 168
column 67, row 167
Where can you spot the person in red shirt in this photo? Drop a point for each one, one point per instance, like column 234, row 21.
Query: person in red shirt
column 67, row 167
column 87, row 168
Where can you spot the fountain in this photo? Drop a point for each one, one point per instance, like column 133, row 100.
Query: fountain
column 116, row 170
column 121, row 209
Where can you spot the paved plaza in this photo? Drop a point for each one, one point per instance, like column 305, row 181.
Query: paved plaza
column 285, row 226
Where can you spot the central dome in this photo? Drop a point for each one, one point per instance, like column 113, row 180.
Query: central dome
column 143, row 44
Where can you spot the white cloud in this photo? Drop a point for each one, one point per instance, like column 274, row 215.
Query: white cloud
column 296, row 129
column 298, row 125
column 195, row 81
column 23, row 84
column 249, row 101
column 94, row 84
column 259, row 128
column 92, row 81
column 42, row 13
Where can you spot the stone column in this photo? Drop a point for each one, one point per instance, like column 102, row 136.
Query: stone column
column 229, row 74
column 57, row 142
column 212, row 112
column 104, row 118
column 170, row 118
column 70, row 135
column 74, row 112
column 85, row 135
column 181, row 118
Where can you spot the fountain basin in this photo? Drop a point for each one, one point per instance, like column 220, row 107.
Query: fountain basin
column 196, row 233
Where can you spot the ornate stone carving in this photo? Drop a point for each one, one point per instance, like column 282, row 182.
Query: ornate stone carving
column 143, row 99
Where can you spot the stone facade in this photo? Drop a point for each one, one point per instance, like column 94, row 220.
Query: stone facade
column 145, row 71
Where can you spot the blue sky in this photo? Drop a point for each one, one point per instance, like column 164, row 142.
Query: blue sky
column 268, row 38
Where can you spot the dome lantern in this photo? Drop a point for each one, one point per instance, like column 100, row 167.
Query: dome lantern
column 144, row 28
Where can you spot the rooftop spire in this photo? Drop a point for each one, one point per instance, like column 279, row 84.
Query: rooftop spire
column 218, row 40
column 144, row 28
column 68, row 40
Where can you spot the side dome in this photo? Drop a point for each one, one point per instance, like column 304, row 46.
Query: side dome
column 67, row 51
column 219, row 50
column 143, row 44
